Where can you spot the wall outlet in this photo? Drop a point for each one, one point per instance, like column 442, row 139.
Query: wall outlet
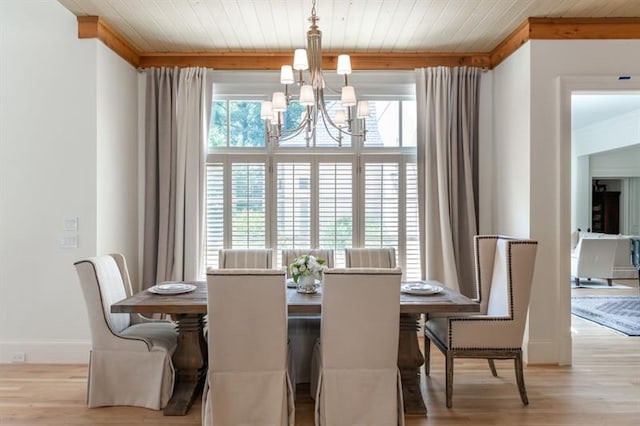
column 18, row 357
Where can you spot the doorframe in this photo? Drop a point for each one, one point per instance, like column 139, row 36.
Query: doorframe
column 568, row 85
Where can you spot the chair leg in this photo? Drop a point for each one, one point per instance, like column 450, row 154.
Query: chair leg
column 520, row 379
column 449, row 378
column 427, row 355
column 577, row 281
column 492, row 366
column 609, row 281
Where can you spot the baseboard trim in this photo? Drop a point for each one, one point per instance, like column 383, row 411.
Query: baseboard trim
column 545, row 352
column 46, row 352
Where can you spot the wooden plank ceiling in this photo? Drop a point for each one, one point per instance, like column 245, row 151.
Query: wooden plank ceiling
column 380, row 34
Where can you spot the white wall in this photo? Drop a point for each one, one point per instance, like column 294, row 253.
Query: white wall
column 49, row 156
column 117, row 167
column 511, row 131
column 552, row 63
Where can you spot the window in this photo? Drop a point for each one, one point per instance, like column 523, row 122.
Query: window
column 313, row 193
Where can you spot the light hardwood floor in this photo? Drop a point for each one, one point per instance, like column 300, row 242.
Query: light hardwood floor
column 602, row 387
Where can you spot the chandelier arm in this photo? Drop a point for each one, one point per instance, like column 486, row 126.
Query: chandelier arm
column 334, row 125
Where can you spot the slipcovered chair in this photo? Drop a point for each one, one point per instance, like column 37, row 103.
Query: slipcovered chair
column 130, row 359
column 359, row 381
column 384, row 257
column 247, row 382
column 504, row 271
column 304, row 330
column 245, row 258
column 594, row 258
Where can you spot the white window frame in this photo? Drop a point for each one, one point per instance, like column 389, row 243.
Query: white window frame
column 356, row 154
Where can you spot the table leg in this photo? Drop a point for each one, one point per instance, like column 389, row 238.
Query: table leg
column 189, row 362
column 409, row 361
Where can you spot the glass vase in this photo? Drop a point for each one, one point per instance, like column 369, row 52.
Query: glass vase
column 307, row 284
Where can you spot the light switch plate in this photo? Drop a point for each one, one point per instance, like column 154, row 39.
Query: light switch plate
column 69, row 241
column 70, row 224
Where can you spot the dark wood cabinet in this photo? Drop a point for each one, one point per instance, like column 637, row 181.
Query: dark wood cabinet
column 605, row 212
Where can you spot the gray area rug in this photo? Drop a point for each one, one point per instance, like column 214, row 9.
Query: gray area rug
column 621, row 313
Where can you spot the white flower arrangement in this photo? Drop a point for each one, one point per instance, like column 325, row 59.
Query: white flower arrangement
column 307, row 265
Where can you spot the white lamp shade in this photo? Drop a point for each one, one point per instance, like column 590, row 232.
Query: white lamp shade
column 363, row 109
column 300, row 61
column 286, row 74
column 279, row 102
column 306, row 95
column 266, row 112
column 344, row 64
column 340, row 118
column 348, row 96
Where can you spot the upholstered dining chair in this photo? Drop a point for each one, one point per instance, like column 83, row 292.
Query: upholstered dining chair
column 247, row 382
column 245, row 258
column 504, row 272
column 289, row 255
column 358, row 380
column 384, row 257
column 130, row 358
column 303, row 329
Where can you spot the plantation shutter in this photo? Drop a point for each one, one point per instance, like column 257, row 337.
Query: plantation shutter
column 215, row 212
column 293, row 182
column 335, row 208
column 248, row 205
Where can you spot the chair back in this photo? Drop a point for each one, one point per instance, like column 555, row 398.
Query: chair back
column 511, row 280
column 384, row 257
column 289, row 255
column 595, row 257
column 359, row 347
column 102, row 285
column 484, row 252
column 245, row 259
column 247, row 382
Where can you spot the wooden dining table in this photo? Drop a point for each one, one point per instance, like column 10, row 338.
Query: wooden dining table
column 190, row 357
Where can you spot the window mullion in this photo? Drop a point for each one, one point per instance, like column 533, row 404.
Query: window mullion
column 271, row 219
column 227, row 196
column 315, row 207
column 358, row 202
column 402, row 212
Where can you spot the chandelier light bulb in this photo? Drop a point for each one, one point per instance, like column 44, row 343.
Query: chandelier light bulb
column 344, row 65
column 363, row 109
column 286, row 74
column 266, row 112
column 300, row 61
column 348, row 96
column 279, row 102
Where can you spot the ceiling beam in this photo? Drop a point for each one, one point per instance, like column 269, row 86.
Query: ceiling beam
column 95, row 27
column 530, row 29
column 565, row 29
column 273, row 61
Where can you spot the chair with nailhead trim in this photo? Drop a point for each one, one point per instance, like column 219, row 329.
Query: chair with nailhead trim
column 504, row 272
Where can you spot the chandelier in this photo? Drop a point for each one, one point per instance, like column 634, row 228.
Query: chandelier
column 307, row 63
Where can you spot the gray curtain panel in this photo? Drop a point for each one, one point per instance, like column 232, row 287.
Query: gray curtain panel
column 447, row 108
column 177, row 118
